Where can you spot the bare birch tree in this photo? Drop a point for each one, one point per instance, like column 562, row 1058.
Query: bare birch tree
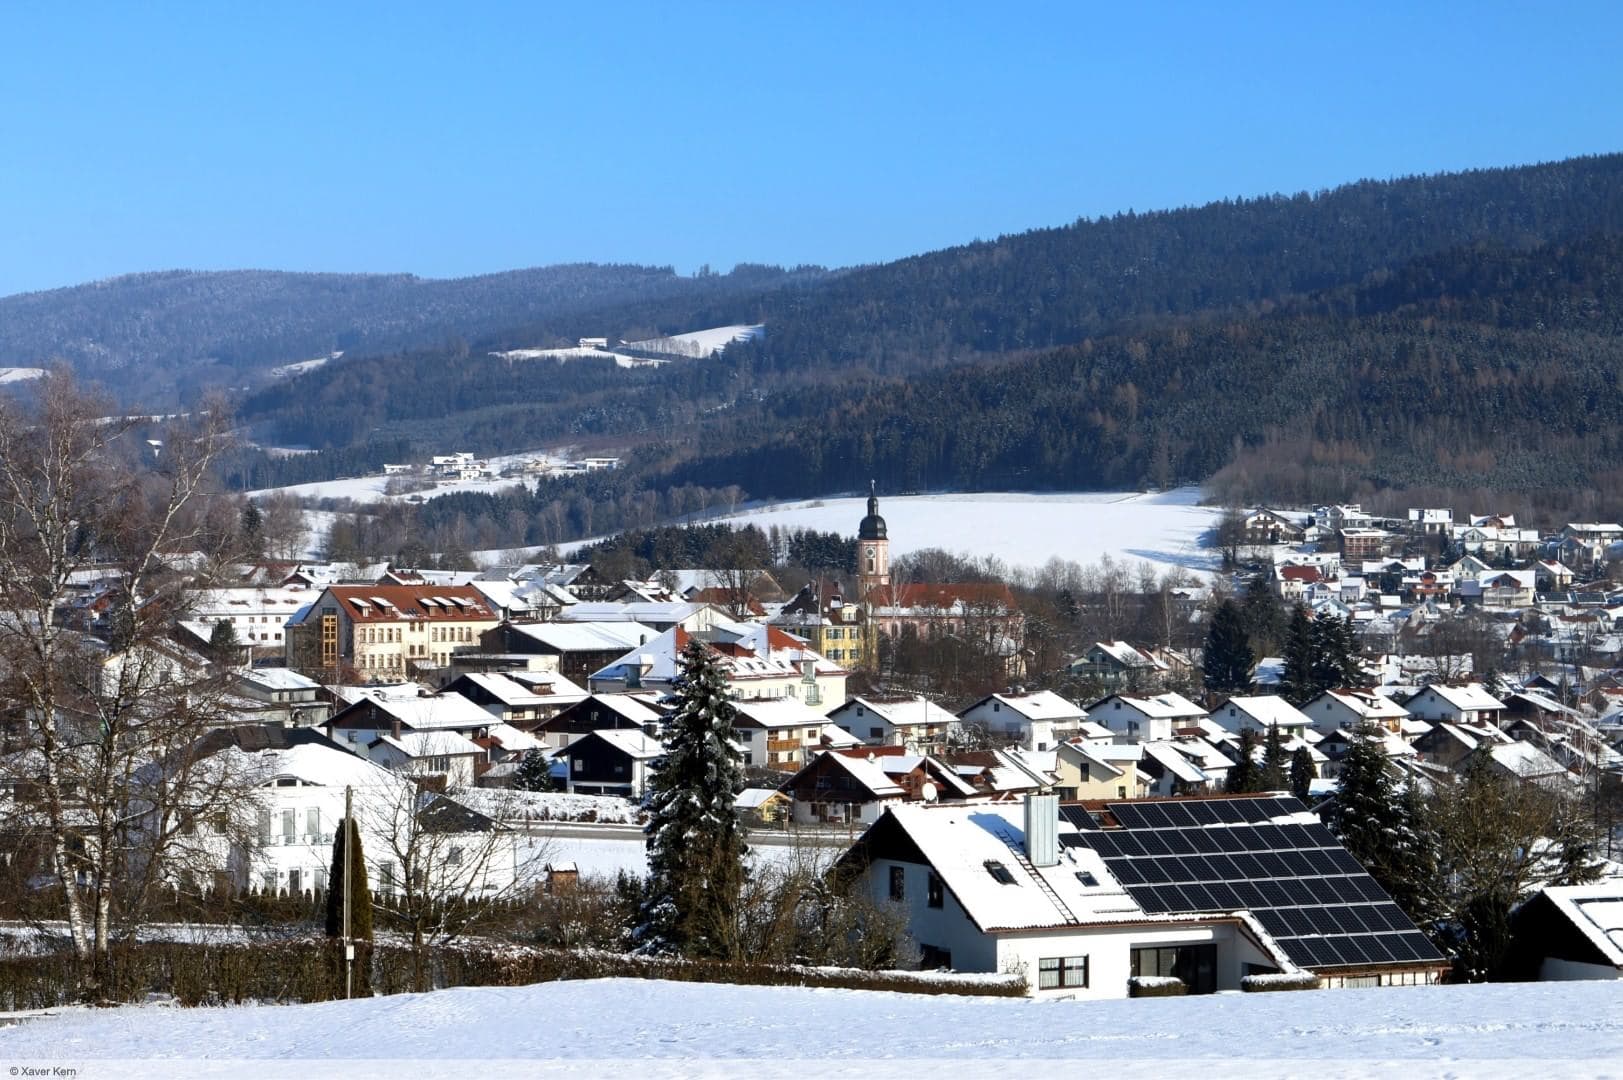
column 102, row 719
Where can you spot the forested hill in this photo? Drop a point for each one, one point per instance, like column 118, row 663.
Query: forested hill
column 153, row 338
column 1480, row 376
column 1481, row 367
column 1059, row 286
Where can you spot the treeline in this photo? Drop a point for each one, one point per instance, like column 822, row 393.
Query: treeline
column 720, row 545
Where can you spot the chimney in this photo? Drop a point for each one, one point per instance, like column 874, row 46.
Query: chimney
column 394, row 727
column 1042, row 829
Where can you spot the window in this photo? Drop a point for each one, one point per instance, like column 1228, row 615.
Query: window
column 294, row 879
column 876, row 733
column 312, row 822
column 1057, row 972
column 937, row 892
column 898, row 883
column 454, row 857
column 1086, row 877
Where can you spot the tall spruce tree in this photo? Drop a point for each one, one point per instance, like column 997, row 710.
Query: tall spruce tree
column 1297, row 683
column 349, row 873
column 1264, row 616
column 1335, row 655
column 1273, row 774
column 1228, row 659
column 1365, row 806
column 1301, row 774
column 694, row 835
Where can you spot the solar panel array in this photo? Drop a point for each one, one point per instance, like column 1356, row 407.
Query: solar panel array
column 1189, row 856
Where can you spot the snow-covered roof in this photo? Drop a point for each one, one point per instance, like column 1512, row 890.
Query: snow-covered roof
column 911, row 712
column 960, row 841
column 1171, row 757
column 1042, row 705
column 323, row 766
column 630, row 741
column 1366, row 705
column 773, row 713
column 573, row 636
column 867, row 772
column 513, row 740
column 662, row 613
column 1526, row 760
column 278, row 678
column 1169, row 706
column 1470, row 696
column 1267, row 711
column 420, row 744
column 443, row 711
column 1596, row 911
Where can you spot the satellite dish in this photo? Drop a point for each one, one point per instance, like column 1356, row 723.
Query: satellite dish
column 929, row 791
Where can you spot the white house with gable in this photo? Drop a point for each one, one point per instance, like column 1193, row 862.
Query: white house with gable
column 1146, row 719
column 1036, row 721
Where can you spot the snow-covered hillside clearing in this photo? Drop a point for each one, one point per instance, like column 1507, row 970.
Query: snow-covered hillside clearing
column 699, row 342
column 690, row 1029
column 1164, row 529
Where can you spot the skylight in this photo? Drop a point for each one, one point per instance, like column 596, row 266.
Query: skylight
column 999, row 872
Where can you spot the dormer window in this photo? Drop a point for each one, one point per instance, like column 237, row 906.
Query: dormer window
column 999, row 872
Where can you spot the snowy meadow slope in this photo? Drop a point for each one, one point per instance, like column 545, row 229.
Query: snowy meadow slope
column 1023, row 529
column 688, row 1029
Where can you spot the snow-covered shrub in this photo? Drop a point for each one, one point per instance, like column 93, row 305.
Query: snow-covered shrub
column 1156, row 986
column 1263, row 984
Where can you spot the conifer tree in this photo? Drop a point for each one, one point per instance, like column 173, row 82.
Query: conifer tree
column 534, row 773
column 1273, row 761
column 1301, row 774
column 1243, row 774
column 1296, row 682
column 694, row 836
column 1228, row 659
column 1264, row 616
column 349, row 872
column 1365, row 801
column 1335, row 656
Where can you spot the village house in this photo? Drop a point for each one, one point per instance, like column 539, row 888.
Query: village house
column 915, row 723
column 1265, row 526
column 759, row 662
column 834, row 629
column 1075, row 900
column 1351, row 709
column 784, row 733
column 1119, row 665
column 1084, row 769
column 1036, row 720
column 385, row 632
column 447, row 754
column 1145, row 719
column 512, row 701
column 610, row 761
column 1260, row 715
column 599, row 712
column 1500, row 588
column 580, row 647
column 283, row 696
column 1431, row 522
column 1584, row 543
column 1465, row 704
column 1572, row 932
column 854, row 786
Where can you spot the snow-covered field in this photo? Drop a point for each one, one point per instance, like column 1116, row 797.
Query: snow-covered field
column 370, row 489
column 1164, row 528
column 20, row 374
column 671, row 1029
column 606, row 856
column 574, row 353
column 700, row 342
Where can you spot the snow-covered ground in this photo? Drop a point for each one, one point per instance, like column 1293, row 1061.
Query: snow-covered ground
column 670, row 1029
column 20, row 374
column 289, row 370
column 370, row 489
column 607, row 855
column 700, row 342
column 575, row 353
column 1163, row 528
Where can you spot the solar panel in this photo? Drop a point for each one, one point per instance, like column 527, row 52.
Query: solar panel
column 1178, row 841
column 1273, row 864
column 1202, row 840
column 1153, row 843
column 1198, row 855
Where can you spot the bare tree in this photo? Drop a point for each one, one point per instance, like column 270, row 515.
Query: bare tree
column 103, row 725
column 440, row 865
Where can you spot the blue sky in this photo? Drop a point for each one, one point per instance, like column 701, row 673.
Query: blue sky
column 401, row 137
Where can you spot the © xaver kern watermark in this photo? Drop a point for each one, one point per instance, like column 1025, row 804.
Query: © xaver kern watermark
column 43, row 1070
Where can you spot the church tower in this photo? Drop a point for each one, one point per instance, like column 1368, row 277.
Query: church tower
column 873, row 548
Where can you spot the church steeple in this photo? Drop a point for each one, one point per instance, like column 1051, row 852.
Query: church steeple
column 873, row 547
